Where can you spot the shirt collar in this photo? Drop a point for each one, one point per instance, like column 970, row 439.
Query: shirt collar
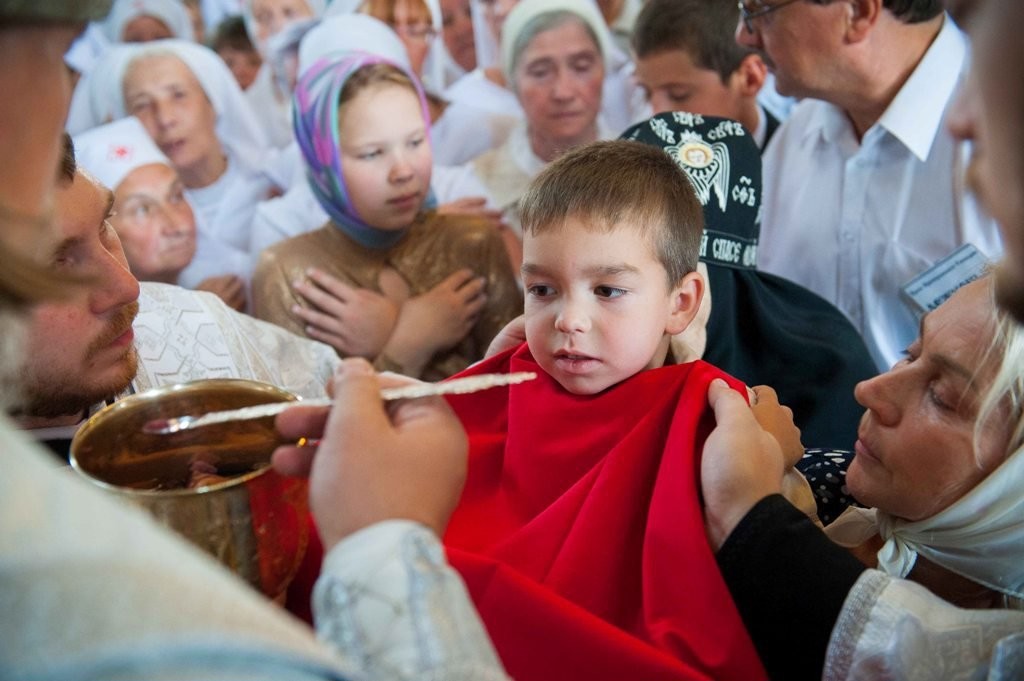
column 915, row 115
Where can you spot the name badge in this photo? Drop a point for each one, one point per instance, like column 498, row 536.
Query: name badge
column 931, row 288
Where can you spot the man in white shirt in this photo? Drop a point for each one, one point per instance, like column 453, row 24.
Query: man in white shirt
column 863, row 184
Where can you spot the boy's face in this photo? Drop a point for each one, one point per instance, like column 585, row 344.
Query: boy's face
column 598, row 305
column 671, row 81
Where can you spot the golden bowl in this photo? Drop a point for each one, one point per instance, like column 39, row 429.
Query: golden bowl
column 250, row 518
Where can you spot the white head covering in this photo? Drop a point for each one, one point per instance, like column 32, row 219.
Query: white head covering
column 980, row 536
column 87, row 48
column 170, row 12
column 110, row 152
column 485, row 43
column 527, row 10
column 351, row 32
column 237, row 127
column 317, row 7
column 98, row 96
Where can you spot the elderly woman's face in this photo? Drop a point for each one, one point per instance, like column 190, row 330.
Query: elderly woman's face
column 169, row 101
column 155, row 223
column 273, row 15
column 558, row 79
column 914, row 453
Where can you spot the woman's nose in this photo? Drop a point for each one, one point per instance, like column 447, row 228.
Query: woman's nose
column 881, row 395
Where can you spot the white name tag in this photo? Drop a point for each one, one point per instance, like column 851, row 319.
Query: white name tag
column 931, row 288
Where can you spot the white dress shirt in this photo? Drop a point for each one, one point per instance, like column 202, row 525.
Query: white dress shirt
column 853, row 221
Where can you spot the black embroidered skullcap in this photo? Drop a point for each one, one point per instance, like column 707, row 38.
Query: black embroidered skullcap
column 763, row 329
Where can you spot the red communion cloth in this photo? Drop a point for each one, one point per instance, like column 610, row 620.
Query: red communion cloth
column 580, row 533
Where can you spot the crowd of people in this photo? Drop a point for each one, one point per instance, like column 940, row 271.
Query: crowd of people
column 766, row 262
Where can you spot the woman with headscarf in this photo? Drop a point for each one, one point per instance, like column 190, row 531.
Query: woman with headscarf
column 489, row 87
column 554, row 60
column 193, row 109
column 152, row 218
column 269, row 99
column 140, row 21
column 940, row 456
column 441, row 286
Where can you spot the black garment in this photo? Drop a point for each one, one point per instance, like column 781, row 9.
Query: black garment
column 825, row 471
column 61, row 448
column 789, row 582
column 764, row 330
column 771, row 124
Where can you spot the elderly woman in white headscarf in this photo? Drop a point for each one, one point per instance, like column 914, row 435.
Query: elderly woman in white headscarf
column 268, row 96
column 554, row 59
column 140, row 21
column 193, row 109
column 152, row 217
column 488, row 85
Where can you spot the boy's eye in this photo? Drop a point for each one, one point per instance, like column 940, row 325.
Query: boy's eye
column 539, row 290
column 609, row 291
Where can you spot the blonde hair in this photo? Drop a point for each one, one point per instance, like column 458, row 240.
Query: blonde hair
column 384, row 10
column 1007, row 347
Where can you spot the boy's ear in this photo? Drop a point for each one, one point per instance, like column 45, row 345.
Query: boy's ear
column 749, row 77
column 686, row 298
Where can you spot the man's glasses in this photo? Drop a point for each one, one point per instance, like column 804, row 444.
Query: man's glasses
column 752, row 9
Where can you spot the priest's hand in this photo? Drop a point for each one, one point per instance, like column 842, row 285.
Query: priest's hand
column 511, row 335
column 356, row 322
column 375, row 461
column 742, row 463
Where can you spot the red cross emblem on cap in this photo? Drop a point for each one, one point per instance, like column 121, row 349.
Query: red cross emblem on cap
column 120, row 152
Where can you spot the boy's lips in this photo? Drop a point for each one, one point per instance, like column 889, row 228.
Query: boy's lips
column 575, row 362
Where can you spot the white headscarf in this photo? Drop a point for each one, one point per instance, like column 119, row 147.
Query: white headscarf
column 486, row 44
column 87, row 48
column 171, row 12
column 237, row 127
column 980, row 536
column 110, row 152
column 527, row 10
column 351, row 32
column 98, row 97
column 317, row 7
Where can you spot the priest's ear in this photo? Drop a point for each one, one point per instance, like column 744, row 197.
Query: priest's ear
column 685, row 303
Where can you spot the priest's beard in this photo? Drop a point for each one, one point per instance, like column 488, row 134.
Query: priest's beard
column 48, row 394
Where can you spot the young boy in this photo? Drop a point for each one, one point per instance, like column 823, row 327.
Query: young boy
column 687, row 59
column 580, row 533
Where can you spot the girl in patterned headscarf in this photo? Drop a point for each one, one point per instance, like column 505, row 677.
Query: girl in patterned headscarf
column 438, row 287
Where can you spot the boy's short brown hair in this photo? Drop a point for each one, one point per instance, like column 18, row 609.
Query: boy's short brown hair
column 608, row 185
column 703, row 29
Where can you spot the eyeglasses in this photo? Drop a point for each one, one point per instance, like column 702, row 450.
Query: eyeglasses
column 752, row 9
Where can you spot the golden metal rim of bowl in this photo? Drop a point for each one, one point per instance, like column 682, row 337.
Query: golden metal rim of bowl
column 131, row 400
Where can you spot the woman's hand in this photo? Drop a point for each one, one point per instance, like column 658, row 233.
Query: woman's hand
column 511, row 335
column 228, row 287
column 436, row 320
column 375, row 462
column 354, row 321
column 742, row 463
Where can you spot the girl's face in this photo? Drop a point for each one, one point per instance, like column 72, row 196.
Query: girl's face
column 273, row 15
column 385, row 155
column 166, row 97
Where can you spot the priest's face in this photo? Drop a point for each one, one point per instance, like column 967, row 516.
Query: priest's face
column 598, row 305
column 80, row 350
column 385, row 155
